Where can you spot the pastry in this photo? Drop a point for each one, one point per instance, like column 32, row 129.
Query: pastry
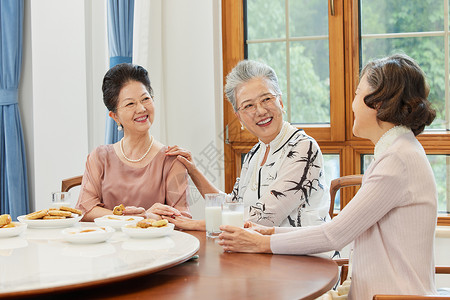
column 60, row 213
column 72, row 210
column 10, row 225
column 160, row 223
column 118, row 210
column 53, row 217
column 5, row 220
column 37, row 214
column 145, row 223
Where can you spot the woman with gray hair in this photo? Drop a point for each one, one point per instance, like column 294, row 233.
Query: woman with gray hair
column 282, row 180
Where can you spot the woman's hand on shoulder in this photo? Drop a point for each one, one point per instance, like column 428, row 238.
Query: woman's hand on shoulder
column 236, row 239
column 264, row 230
column 182, row 222
column 184, row 156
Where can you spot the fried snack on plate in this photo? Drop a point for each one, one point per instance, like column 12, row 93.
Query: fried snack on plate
column 72, row 210
column 5, row 220
column 118, row 210
column 37, row 214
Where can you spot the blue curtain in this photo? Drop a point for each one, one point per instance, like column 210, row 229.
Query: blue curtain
column 13, row 173
column 120, row 42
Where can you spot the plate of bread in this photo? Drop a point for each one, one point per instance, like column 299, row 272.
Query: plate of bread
column 61, row 217
column 88, row 235
column 8, row 228
column 149, row 228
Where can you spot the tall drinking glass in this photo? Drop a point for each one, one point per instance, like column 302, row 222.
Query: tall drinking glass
column 213, row 214
column 233, row 214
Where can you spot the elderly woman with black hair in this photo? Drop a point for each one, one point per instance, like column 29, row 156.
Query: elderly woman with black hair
column 392, row 218
column 282, row 180
column 135, row 171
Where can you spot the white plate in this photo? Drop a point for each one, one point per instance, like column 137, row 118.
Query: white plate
column 13, row 231
column 87, row 235
column 117, row 221
column 52, row 223
column 150, row 232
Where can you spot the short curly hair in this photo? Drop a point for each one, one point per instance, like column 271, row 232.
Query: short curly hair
column 400, row 92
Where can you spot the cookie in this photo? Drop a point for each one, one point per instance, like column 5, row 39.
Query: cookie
column 60, row 213
column 37, row 214
column 53, row 217
column 72, row 210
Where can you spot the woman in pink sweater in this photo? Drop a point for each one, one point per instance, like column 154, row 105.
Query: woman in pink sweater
column 392, row 218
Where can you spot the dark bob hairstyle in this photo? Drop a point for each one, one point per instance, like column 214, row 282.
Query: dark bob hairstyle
column 117, row 77
column 400, row 92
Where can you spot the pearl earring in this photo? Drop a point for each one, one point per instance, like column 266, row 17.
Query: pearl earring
column 119, row 127
column 242, row 126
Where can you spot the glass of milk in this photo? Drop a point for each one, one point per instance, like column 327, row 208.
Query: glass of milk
column 60, row 199
column 213, row 214
column 233, row 214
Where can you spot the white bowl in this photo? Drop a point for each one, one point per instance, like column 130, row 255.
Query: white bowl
column 150, row 232
column 52, row 223
column 13, row 231
column 117, row 221
column 87, row 235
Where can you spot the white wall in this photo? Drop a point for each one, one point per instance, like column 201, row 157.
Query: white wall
column 193, row 85
column 60, row 97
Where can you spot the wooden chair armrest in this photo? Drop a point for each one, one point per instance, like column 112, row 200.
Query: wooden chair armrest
column 69, row 183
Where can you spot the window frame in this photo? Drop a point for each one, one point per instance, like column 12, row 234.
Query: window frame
column 337, row 138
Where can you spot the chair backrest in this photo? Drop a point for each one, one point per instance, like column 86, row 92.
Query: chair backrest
column 340, row 182
column 69, row 183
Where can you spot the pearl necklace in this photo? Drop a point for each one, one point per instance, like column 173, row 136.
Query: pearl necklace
column 139, row 159
column 253, row 180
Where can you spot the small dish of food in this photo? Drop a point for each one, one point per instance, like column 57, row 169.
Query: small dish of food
column 9, row 228
column 149, row 228
column 52, row 218
column 88, row 235
column 116, row 221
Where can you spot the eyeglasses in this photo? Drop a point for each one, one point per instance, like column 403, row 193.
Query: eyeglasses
column 265, row 101
column 131, row 105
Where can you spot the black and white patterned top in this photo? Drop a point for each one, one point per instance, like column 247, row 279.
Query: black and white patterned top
column 289, row 189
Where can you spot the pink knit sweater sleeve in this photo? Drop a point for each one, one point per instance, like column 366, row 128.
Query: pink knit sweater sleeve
column 381, row 192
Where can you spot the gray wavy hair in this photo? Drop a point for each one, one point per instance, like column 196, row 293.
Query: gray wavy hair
column 247, row 70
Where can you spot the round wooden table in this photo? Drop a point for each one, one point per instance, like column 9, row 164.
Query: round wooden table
column 219, row 275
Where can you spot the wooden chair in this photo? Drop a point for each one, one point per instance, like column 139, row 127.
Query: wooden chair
column 69, row 183
column 354, row 180
column 341, row 182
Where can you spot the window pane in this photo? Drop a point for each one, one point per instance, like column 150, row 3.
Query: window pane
column 429, row 54
column 441, row 170
column 332, row 171
column 310, row 82
column 308, row 18
column 273, row 54
column 387, row 16
column 266, row 19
